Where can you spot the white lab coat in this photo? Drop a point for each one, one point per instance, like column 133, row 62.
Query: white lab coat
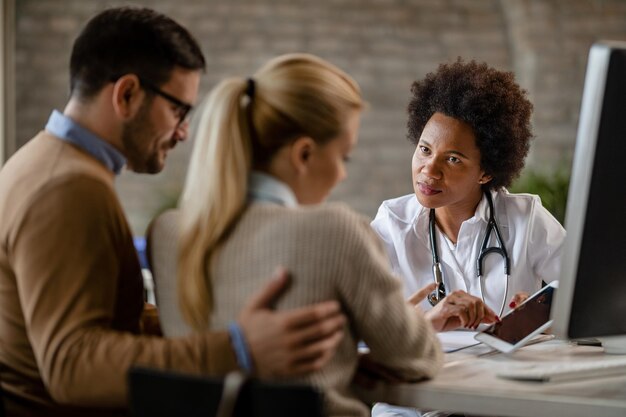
column 533, row 239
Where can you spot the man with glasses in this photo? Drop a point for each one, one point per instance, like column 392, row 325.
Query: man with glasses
column 71, row 292
column 182, row 109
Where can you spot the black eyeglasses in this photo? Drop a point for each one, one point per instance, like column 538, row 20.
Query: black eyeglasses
column 182, row 108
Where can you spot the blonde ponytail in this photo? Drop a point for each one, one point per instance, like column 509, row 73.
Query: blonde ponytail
column 294, row 95
column 212, row 202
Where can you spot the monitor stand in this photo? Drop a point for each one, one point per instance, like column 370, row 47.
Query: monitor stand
column 615, row 345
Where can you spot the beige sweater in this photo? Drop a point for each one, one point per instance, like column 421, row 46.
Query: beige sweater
column 333, row 254
column 71, row 291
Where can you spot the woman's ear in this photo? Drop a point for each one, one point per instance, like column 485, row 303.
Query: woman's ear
column 300, row 153
column 484, row 179
column 127, row 96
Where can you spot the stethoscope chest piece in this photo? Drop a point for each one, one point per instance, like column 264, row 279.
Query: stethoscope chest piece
column 492, row 227
column 437, row 295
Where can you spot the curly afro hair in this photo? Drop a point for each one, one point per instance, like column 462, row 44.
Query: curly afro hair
column 490, row 102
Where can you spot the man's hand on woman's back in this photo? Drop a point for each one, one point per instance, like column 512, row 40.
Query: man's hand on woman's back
column 289, row 342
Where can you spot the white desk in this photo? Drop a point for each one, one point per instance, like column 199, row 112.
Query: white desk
column 467, row 383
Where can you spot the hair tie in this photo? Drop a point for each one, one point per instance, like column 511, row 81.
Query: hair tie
column 250, row 88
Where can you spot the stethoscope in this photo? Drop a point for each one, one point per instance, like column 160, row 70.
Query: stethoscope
column 492, row 226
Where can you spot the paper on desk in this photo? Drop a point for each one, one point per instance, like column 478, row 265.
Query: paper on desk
column 450, row 341
column 457, row 339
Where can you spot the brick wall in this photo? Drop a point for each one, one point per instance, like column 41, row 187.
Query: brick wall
column 384, row 44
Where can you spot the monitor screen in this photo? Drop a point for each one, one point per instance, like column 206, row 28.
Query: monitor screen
column 591, row 300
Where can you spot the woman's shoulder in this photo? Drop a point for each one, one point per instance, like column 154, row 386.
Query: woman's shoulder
column 165, row 225
column 403, row 209
column 517, row 198
column 335, row 215
column 321, row 216
column 328, row 226
column 524, row 206
column 517, row 202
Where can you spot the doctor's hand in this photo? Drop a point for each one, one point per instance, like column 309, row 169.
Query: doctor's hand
column 460, row 309
column 518, row 299
column 420, row 295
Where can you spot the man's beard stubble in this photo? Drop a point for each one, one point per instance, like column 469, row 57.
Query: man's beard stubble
column 138, row 138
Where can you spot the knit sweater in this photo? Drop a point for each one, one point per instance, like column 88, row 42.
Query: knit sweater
column 71, row 290
column 332, row 254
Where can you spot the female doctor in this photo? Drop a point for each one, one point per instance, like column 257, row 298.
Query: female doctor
column 470, row 125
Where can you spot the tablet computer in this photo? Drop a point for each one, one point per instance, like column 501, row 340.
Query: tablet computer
column 521, row 325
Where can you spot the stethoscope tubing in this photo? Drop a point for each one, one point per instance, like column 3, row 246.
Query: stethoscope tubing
column 440, row 292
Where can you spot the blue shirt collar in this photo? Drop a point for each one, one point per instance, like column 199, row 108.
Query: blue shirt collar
column 68, row 130
column 266, row 188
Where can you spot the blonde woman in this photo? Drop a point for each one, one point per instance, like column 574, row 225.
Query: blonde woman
column 267, row 153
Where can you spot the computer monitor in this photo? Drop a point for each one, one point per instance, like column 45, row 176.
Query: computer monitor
column 591, row 300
